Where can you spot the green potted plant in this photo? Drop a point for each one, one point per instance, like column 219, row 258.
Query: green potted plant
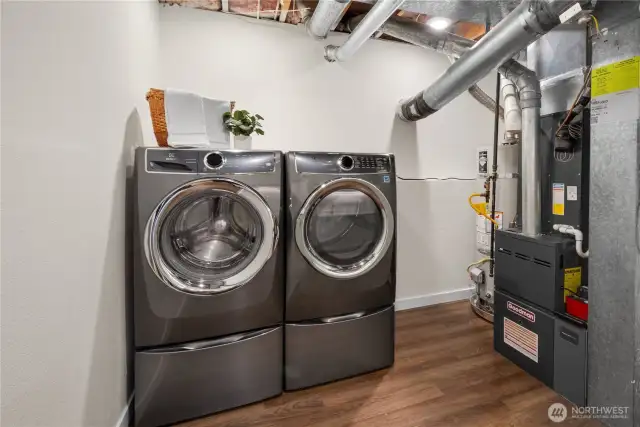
column 242, row 124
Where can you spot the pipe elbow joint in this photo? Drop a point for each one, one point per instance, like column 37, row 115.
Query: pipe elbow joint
column 525, row 80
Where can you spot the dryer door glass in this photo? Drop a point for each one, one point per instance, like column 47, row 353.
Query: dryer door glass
column 211, row 237
column 345, row 227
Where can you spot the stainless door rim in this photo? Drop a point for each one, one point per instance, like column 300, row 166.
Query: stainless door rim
column 172, row 278
column 367, row 263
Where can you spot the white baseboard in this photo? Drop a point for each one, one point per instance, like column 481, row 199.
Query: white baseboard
column 123, row 421
column 431, row 299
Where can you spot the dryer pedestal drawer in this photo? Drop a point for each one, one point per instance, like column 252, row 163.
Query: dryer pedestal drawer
column 340, row 347
column 195, row 379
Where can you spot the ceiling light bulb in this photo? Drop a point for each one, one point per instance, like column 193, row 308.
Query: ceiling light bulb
column 439, row 23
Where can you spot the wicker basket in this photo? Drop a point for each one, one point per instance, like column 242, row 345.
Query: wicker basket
column 155, row 97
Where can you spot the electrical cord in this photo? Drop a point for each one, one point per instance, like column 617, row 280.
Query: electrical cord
column 479, row 262
column 597, row 24
column 449, row 178
column 573, row 105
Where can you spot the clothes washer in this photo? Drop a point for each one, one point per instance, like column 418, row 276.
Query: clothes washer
column 208, row 285
column 341, row 266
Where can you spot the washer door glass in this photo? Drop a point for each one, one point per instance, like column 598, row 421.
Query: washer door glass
column 345, row 227
column 210, row 236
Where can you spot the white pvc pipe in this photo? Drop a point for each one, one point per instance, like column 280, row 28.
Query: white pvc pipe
column 512, row 111
column 577, row 234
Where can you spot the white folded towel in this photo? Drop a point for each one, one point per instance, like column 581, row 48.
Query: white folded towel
column 194, row 121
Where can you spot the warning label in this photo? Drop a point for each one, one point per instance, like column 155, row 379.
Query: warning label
column 615, row 89
column 616, row 77
column 572, row 280
column 521, row 339
column 558, row 199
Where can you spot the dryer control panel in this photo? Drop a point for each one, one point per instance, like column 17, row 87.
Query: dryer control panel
column 336, row 163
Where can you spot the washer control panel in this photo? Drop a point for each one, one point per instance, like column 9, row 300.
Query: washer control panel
column 166, row 160
column 336, row 163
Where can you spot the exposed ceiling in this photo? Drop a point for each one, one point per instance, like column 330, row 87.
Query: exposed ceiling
column 469, row 16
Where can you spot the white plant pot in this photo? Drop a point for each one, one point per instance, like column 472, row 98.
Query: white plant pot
column 241, row 142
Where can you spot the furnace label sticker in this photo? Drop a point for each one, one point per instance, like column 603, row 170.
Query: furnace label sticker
column 616, row 107
column 617, row 77
column 558, row 199
column 572, row 280
column 521, row 339
column 615, row 89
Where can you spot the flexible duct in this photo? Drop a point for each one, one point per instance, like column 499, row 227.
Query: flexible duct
column 528, row 87
column 379, row 13
column 423, row 36
column 483, row 98
column 512, row 113
column 326, row 15
column 530, row 20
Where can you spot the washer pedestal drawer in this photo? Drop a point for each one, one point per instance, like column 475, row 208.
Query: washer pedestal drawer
column 199, row 378
column 332, row 349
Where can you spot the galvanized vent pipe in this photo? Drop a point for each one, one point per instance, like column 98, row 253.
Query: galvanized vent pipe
column 379, row 13
column 530, row 20
column 325, row 17
column 529, row 89
column 421, row 35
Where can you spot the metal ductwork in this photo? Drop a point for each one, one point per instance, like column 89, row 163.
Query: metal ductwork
column 530, row 20
column 419, row 34
column 325, row 17
column 423, row 36
column 528, row 87
column 460, row 10
column 482, row 97
column 372, row 21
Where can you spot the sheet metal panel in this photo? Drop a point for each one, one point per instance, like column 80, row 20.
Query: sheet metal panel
column 614, row 312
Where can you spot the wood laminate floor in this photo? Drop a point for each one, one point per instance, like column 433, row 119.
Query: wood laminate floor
column 446, row 374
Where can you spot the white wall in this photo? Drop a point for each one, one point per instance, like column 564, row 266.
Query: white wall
column 74, row 75
column 309, row 104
